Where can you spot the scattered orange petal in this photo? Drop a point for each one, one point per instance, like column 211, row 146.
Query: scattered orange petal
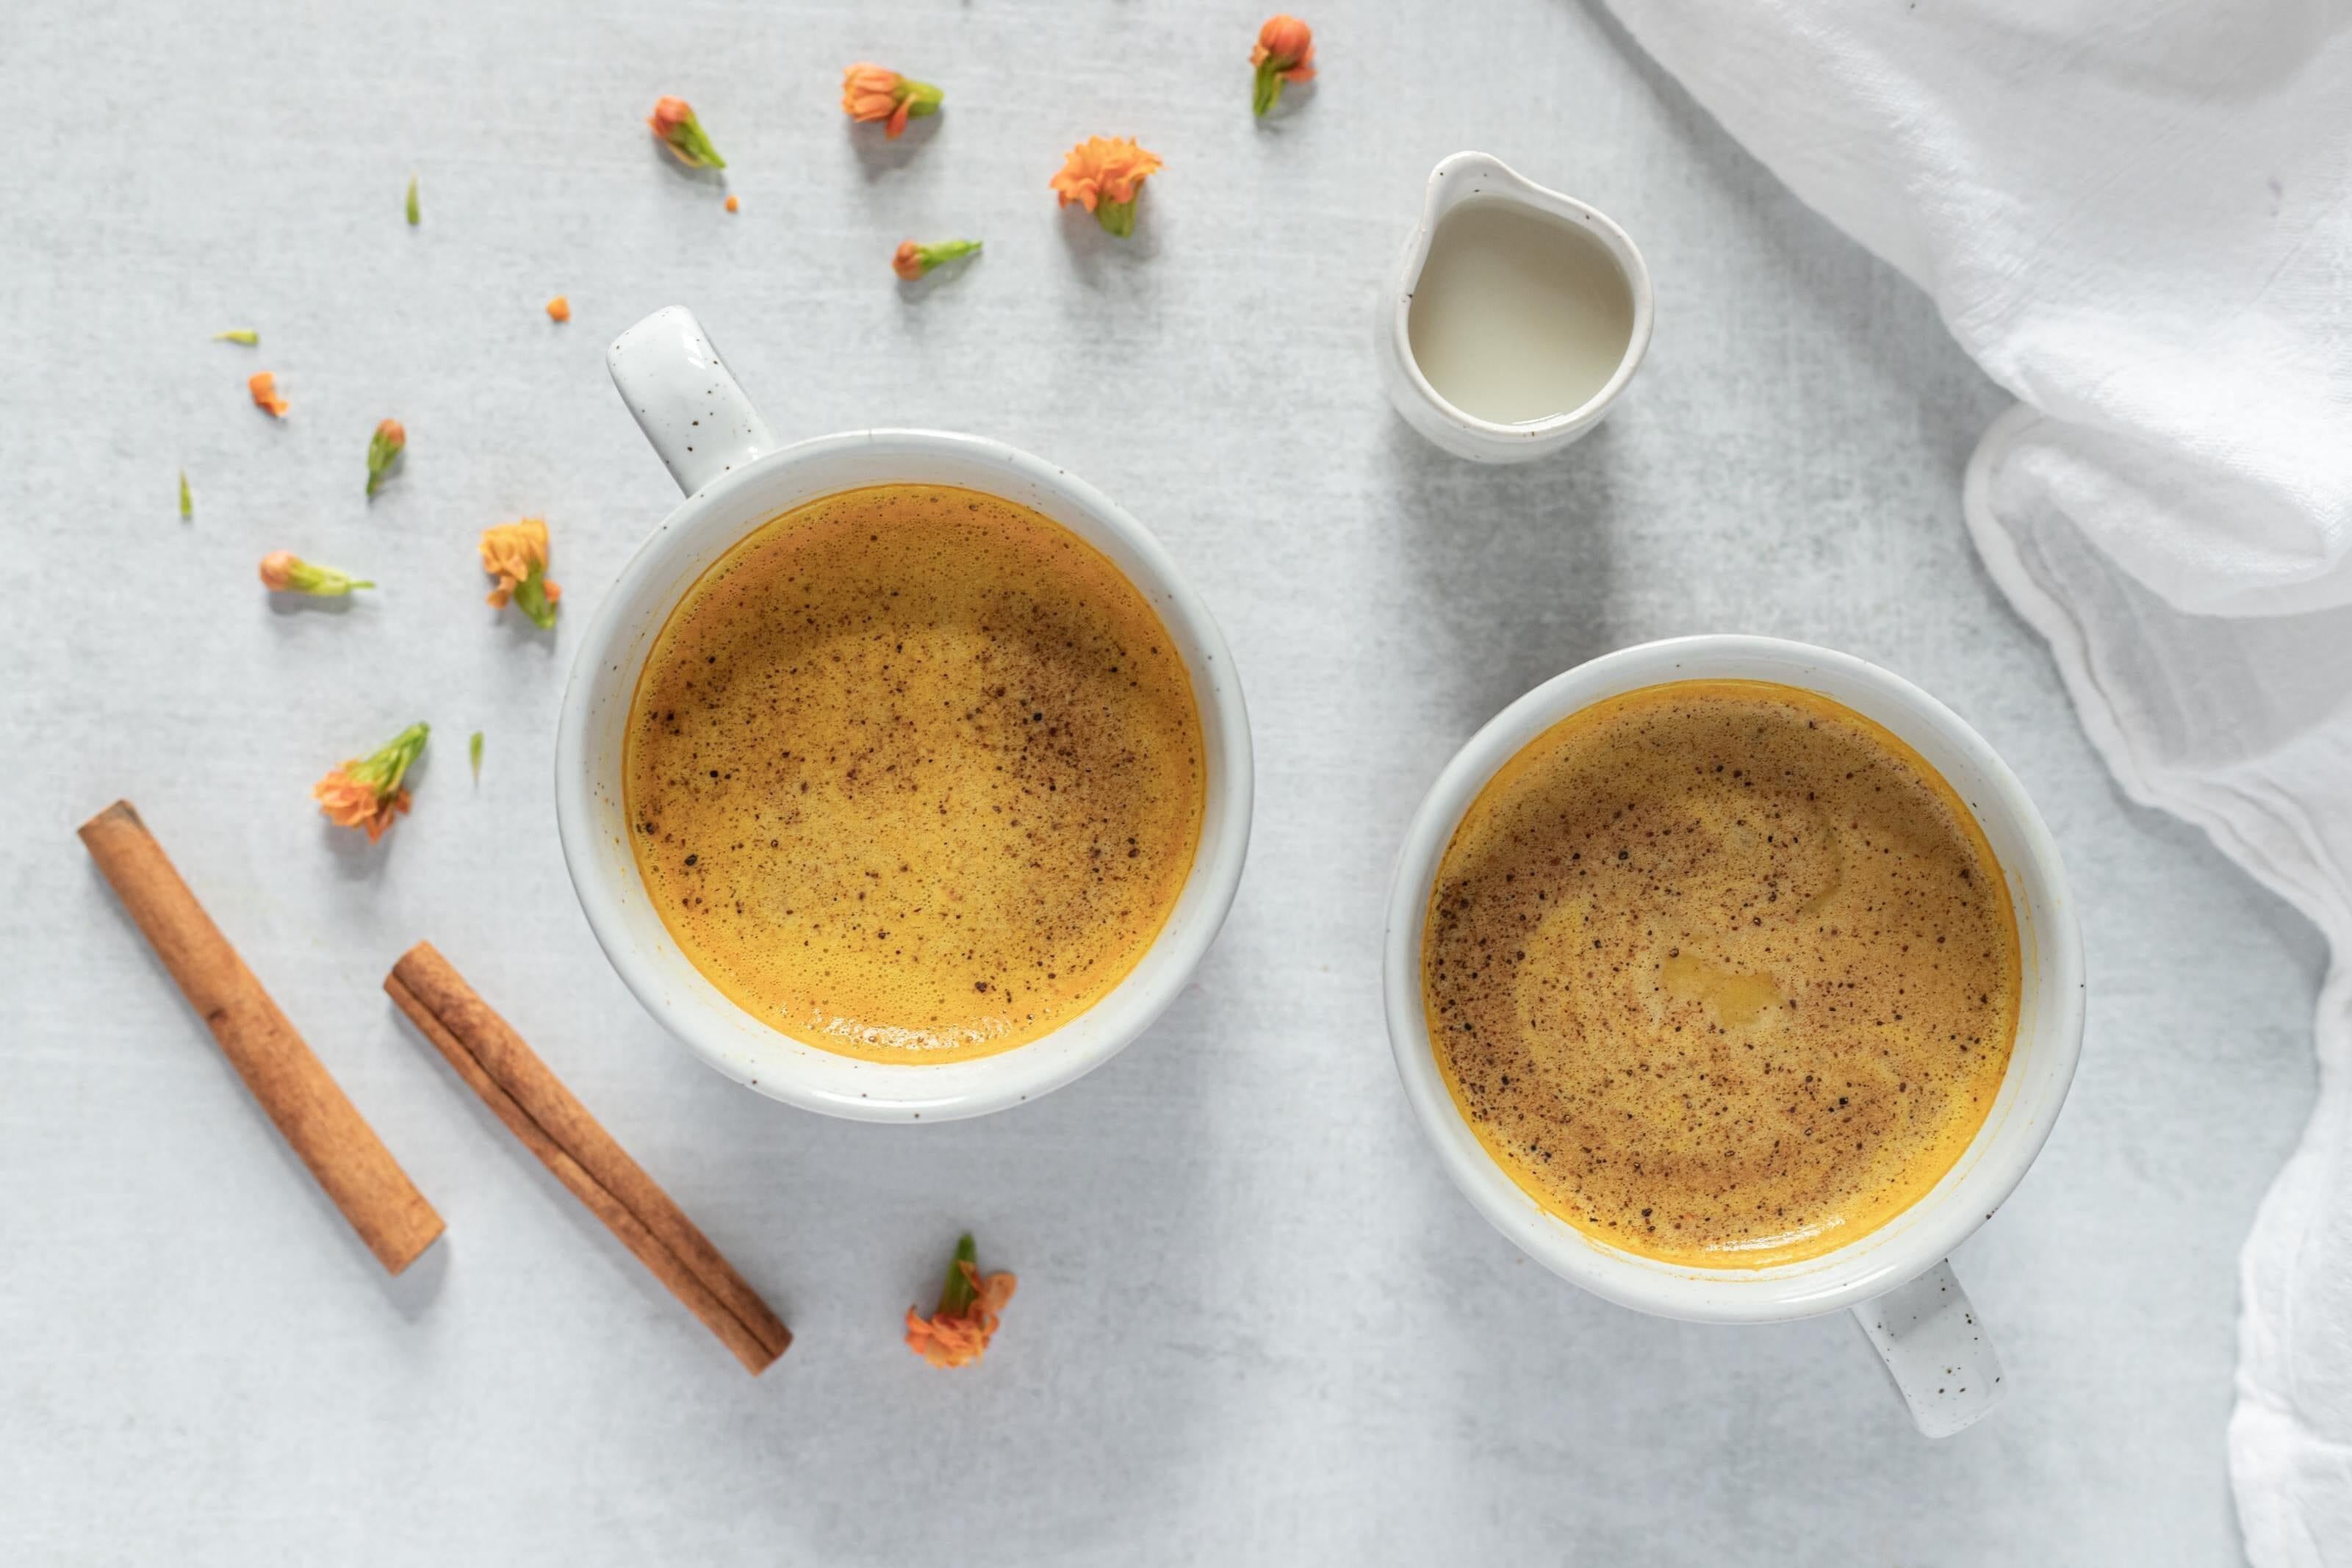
column 560, row 308
column 352, row 803
column 1104, row 169
column 959, row 1339
column 516, row 554
column 263, row 386
column 510, row 549
column 366, row 792
column 1103, row 175
column 733, row 206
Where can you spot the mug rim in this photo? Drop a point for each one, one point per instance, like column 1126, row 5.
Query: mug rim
column 791, row 1070
column 1908, row 1243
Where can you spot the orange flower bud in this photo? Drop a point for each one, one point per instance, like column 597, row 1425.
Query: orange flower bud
column 1289, row 42
column 871, row 92
column 283, row 572
column 913, row 260
column 673, row 120
column 384, row 450
column 1284, row 52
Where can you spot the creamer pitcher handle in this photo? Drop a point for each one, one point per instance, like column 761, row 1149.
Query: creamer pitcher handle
column 1931, row 1343
column 685, row 400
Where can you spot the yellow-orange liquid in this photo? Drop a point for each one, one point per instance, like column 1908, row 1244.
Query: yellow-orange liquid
column 1722, row 973
column 914, row 773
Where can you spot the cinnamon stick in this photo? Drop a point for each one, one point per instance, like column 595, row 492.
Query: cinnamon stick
column 293, row 1086
column 498, row 1065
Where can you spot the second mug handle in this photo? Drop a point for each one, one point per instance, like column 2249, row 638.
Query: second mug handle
column 1929, row 1339
column 685, row 399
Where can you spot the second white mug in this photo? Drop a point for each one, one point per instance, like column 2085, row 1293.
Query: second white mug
column 1895, row 1278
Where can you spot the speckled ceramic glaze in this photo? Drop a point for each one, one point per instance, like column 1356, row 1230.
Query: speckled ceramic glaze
column 1894, row 1277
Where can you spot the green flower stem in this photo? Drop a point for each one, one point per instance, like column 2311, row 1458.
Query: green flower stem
column 530, row 598
column 955, row 1296
column 1268, row 90
column 690, row 142
column 1119, row 218
column 919, row 97
column 382, row 452
column 945, row 250
column 383, row 771
column 323, row 582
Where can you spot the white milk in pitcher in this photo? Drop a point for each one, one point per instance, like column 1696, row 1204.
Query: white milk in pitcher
column 1517, row 315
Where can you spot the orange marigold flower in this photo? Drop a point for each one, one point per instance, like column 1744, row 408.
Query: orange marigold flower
column 913, row 260
column 871, row 92
column 283, row 572
column 1284, row 52
column 673, row 120
column 384, row 449
column 263, row 386
column 559, row 309
column 516, row 554
column 957, row 1333
column 368, row 794
column 1105, row 174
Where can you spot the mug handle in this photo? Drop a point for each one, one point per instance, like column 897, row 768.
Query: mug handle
column 1934, row 1347
column 685, row 400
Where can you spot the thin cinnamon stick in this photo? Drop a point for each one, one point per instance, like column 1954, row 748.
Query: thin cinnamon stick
column 293, row 1086
column 497, row 1063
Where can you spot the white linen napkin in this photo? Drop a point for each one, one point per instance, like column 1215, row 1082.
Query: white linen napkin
column 2136, row 215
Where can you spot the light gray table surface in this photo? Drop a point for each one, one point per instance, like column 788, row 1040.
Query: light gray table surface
column 1255, row 1323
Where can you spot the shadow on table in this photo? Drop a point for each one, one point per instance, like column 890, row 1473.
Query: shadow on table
column 1094, row 250
column 878, row 155
column 1507, row 568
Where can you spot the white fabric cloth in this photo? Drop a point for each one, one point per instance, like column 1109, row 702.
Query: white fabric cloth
column 2138, row 218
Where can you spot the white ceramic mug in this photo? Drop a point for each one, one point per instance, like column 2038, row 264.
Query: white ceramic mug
column 1894, row 1277
column 1452, row 182
column 736, row 476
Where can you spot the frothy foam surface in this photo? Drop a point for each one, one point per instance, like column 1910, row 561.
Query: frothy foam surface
column 1722, row 971
column 914, row 773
